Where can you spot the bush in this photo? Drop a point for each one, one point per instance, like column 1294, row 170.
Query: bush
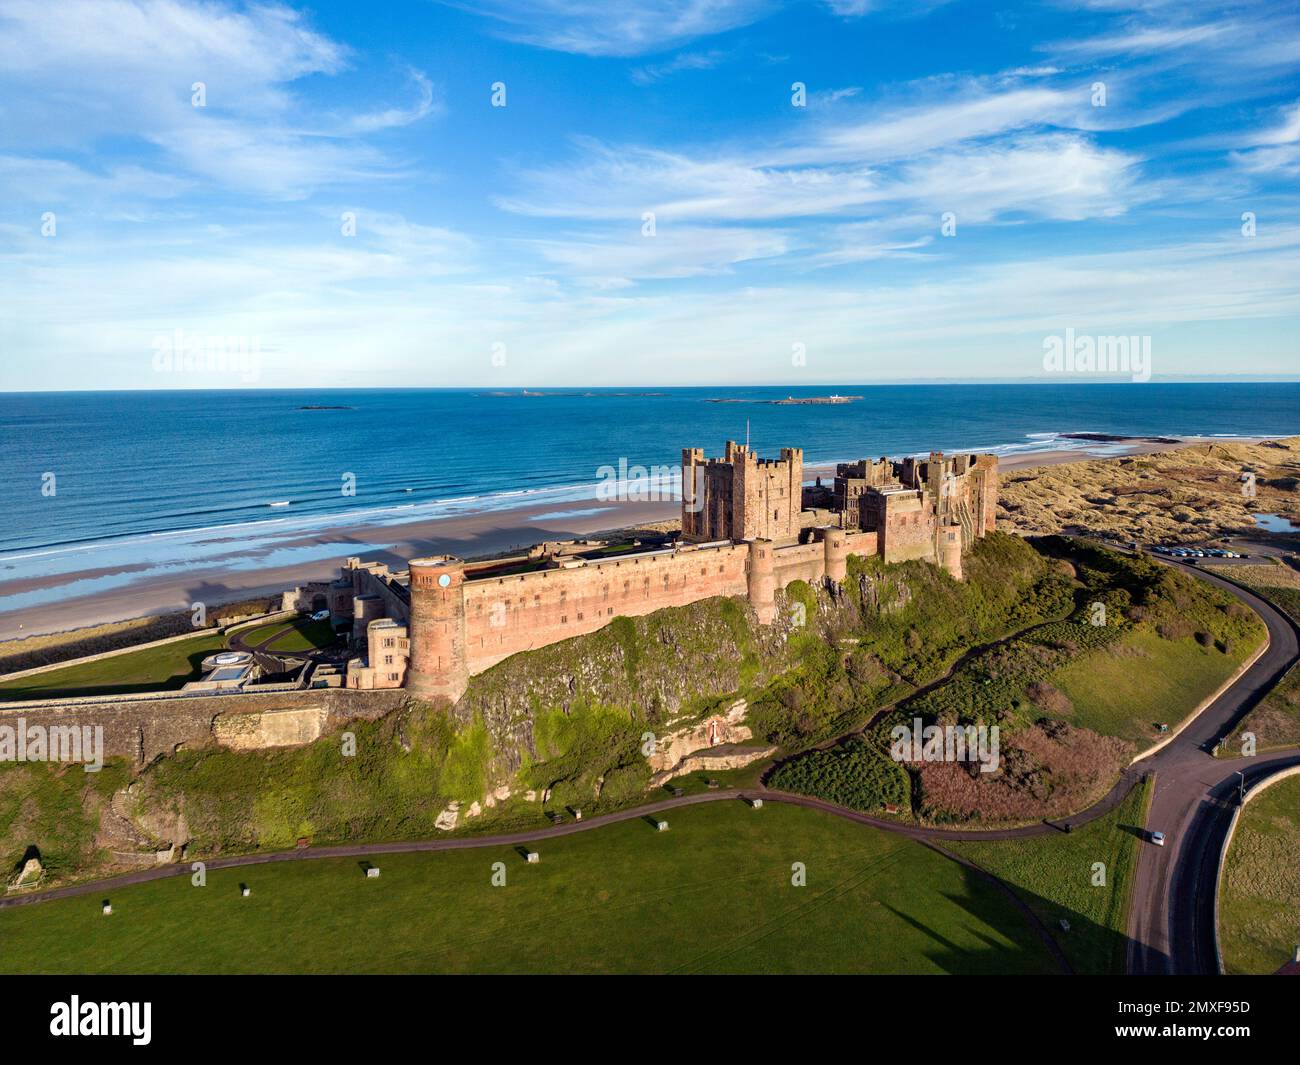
column 856, row 774
column 1049, row 698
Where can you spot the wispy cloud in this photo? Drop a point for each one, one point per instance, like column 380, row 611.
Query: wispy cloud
column 134, row 70
column 593, row 27
column 653, row 72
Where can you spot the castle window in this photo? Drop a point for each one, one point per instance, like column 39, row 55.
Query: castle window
column 609, row 612
column 564, row 619
column 579, row 615
column 388, row 660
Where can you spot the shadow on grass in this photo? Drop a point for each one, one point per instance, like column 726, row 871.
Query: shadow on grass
column 1076, row 943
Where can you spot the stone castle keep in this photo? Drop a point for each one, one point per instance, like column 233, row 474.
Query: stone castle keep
column 749, row 527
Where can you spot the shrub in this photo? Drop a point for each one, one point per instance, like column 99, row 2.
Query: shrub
column 855, row 773
column 1049, row 698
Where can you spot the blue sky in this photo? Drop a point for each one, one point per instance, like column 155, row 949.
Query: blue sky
column 507, row 246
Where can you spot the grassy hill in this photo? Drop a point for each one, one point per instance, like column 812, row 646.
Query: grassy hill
column 1073, row 700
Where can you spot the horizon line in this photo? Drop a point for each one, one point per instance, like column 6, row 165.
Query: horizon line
column 1064, row 379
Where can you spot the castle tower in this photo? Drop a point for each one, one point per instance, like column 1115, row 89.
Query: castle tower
column 950, row 550
column 437, row 628
column 836, row 547
column 762, row 580
column 985, row 473
column 740, row 496
column 693, row 494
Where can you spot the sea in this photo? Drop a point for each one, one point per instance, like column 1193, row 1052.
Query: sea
column 107, row 480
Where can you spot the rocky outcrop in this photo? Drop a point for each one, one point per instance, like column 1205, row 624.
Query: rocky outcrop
column 725, row 728
column 714, row 760
column 29, row 876
column 716, row 743
column 449, row 818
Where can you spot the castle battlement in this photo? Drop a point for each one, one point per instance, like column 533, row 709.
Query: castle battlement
column 745, row 532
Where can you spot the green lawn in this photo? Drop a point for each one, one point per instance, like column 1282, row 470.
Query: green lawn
column 260, row 633
column 1054, row 875
column 712, row 894
column 1259, row 910
column 151, row 669
column 300, row 634
column 1125, row 689
column 305, row 635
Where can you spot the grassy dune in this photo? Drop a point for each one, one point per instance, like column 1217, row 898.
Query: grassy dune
column 1187, row 494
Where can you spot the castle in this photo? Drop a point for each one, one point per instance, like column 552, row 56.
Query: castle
column 749, row 527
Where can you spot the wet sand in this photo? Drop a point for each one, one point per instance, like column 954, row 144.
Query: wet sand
column 466, row 536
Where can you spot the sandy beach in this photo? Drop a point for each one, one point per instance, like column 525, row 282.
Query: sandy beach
column 99, row 594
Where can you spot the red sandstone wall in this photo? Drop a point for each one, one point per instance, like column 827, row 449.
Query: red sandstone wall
column 908, row 530
column 803, row 562
column 862, row 544
column 506, row 615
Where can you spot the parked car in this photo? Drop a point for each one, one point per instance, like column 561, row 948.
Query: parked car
column 321, row 615
column 1158, row 838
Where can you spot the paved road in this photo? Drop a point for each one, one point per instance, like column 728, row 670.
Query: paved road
column 1171, row 920
column 1171, row 926
column 538, row 835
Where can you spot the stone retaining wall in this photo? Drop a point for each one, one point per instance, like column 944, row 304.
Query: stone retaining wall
column 142, row 730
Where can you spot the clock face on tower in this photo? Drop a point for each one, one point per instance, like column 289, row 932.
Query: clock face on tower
column 444, row 580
